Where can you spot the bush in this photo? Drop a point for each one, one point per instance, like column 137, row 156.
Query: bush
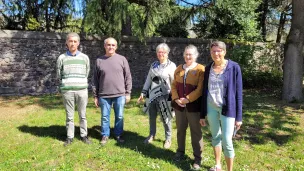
column 261, row 64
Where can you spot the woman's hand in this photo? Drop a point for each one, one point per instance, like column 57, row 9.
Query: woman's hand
column 184, row 101
column 178, row 101
column 141, row 98
column 202, row 122
column 238, row 125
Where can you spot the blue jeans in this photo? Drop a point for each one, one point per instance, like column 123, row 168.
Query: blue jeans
column 118, row 105
column 221, row 128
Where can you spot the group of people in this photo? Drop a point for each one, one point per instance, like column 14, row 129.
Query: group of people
column 190, row 92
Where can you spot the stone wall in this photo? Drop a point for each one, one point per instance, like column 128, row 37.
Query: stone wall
column 28, row 59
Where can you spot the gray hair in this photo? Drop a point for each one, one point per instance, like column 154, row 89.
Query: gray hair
column 109, row 38
column 73, row 34
column 195, row 55
column 219, row 44
column 163, row 46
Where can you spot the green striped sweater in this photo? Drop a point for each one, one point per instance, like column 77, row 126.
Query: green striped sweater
column 73, row 71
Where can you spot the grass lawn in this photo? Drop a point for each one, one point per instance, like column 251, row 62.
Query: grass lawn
column 33, row 131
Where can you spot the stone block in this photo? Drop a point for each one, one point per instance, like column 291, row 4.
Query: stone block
column 8, row 90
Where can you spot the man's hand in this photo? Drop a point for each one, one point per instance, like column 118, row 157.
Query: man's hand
column 128, row 98
column 96, row 101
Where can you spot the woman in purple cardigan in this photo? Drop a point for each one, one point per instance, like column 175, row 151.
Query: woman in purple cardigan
column 222, row 103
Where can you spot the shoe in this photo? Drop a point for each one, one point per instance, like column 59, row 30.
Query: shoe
column 68, row 141
column 86, row 140
column 104, row 140
column 167, row 144
column 215, row 168
column 196, row 165
column 179, row 157
column 149, row 139
column 120, row 139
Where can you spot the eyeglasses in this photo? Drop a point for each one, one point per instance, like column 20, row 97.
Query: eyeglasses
column 216, row 51
column 188, row 54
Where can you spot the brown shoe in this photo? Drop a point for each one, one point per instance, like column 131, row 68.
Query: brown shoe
column 86, row 140
column 68, row 141
column 167, row 144
column 149, row 139
column 196, row 165
column 104, row 140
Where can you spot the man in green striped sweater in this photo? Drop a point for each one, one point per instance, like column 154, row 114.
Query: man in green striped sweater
column 73, row 70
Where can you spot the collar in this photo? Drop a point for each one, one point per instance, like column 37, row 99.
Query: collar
column 70, row 54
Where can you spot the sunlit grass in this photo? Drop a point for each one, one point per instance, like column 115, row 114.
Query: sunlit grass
column 33, row 131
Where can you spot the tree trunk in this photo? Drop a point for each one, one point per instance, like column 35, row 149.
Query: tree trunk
column 293, row 56
column 126, row 27
column 281, row 27
column 47, row 19
column 263, row 10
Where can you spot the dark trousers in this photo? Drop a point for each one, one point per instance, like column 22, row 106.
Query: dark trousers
column 183, row 119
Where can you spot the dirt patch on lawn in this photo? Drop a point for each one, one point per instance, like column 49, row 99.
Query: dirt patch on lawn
column 16, row 107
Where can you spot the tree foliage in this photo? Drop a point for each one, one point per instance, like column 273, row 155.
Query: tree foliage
column 109, row 17
column 222, row 19
column 230, row 20
column 41, row 15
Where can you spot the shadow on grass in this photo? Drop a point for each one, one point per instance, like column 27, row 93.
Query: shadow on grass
column 134, row 142
column 55, row 131
column 266, row 119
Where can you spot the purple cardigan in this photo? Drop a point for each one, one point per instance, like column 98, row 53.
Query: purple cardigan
column 233, row 87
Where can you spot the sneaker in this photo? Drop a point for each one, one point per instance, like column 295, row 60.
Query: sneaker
column 86, row 140
column 149, row 139
column 179, row 157
column 104, row 140
column 167, row 144
column 120, row 139
column 68, row 141
column 215, row 168
column 196, row 165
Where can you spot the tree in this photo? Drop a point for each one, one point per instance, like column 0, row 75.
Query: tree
column 293, row 55
column 133, row 17
column 229, row 20
column 41, row 15
column 285, row 14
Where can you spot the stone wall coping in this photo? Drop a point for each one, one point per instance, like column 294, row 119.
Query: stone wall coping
column 20, row 34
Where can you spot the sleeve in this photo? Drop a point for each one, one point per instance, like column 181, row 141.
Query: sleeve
column 194, row 95
column 239, row 94
column 204, row 95
column 173, row 86
column 147, row 83
column 171, row 73
column 59, row 67
column 128, row 77
column 88, row 66
column 95, row 80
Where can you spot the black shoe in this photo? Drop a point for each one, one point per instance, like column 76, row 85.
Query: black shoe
column 86, row 140
column 179, row 157
column 104, row 140
column 68, row 141
column 120, row 139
